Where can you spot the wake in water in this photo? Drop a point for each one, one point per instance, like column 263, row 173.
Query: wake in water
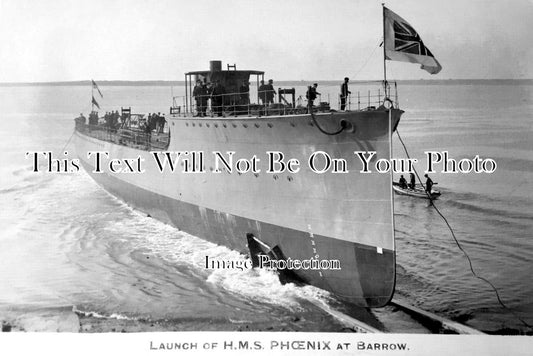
column 113, row 263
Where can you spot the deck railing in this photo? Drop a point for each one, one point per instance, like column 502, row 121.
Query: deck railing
column 231, row 104
column 132, row 137
column 373, row 98
column 238, row 104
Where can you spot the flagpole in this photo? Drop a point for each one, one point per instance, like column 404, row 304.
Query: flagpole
column 92, row 96
column 384, row 54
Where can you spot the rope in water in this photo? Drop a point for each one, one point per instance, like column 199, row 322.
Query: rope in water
column 70, row 138
column 459, row 245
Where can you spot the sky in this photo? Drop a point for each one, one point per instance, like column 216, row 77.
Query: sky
column 59, row 40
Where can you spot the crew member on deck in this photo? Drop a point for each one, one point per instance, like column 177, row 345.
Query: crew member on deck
column 429, row 183
column 311, row 95
column 200, row 95
column 116, row 116
column 217, row 98
column 146, row 127
column 344, row 93
column 402, row 182
column 244, row 97
column 270, row 92
column 244, row 91
column 262, row 92
column 107, row 118
column 157, row 122
column 93, row 118
column 209, row 91
column 80, row 119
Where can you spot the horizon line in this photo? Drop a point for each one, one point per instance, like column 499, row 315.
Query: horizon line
column 167, row 82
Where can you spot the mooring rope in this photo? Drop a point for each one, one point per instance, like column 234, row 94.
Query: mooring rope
column 459, row 245
column 66, row 144
column 343, row 124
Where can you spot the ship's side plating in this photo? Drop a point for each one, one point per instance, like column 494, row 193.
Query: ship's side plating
column 334, row 216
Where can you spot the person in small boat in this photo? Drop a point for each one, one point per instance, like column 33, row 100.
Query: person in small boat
column 412, row 184
column 344, row 93
column 402, row 182
column 429, row 183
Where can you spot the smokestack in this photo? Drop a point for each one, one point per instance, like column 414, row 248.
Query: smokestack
column 215, row 66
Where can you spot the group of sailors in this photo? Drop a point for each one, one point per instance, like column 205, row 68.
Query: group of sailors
column 93, row 118
column 403, row 182
column 114, row 121
column 216, row 93
column 154, row 122
column 267, row 92
column 203, row 92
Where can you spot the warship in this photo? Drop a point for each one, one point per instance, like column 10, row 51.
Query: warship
column 304, row 214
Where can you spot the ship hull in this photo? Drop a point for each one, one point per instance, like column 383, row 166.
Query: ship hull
column 331, row 216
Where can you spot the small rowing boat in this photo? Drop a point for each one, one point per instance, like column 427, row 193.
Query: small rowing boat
column 419, row 191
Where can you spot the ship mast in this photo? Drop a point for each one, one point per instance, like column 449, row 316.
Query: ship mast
column 384, row 54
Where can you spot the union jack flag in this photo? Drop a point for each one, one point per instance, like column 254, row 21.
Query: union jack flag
column 402, row 43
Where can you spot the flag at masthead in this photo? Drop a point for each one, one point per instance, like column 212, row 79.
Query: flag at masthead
column 402, row 43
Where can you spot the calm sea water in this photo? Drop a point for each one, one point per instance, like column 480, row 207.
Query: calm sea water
column 66, row 243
